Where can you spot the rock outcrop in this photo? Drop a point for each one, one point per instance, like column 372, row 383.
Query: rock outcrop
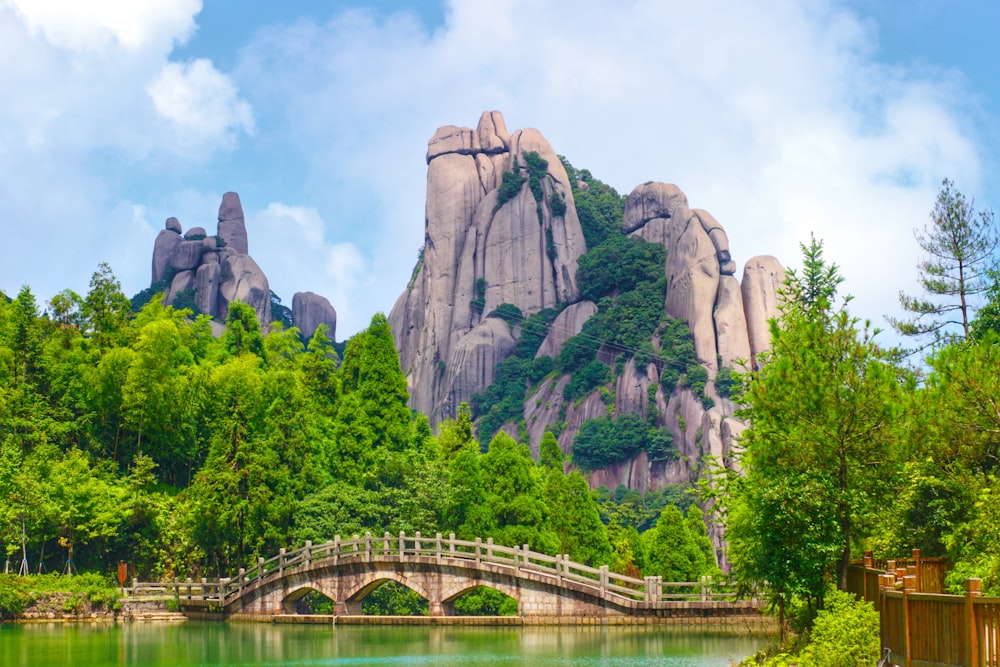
column 217, row 269
column 310, row 310
column 484, row 246
column 211, row 272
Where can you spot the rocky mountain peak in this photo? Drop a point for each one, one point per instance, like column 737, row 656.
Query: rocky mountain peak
column 500, row 228
column 502, row 231
column 208, row 273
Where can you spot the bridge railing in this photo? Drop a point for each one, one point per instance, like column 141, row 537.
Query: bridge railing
column 441, row 550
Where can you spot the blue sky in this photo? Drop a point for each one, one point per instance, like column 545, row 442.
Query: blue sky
column 780, row 117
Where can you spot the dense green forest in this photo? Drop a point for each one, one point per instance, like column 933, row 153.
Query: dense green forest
column 138, row 436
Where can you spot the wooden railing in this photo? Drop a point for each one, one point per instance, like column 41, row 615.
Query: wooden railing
column 863, row 576
column 921, row 626
column 478, row 554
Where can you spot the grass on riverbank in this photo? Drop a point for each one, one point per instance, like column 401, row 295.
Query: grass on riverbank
column 73, row 593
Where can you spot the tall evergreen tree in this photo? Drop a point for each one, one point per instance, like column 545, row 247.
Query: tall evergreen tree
column 959, row 244
column 106, row 309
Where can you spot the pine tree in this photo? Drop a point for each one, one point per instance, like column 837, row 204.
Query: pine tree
column 959, row 244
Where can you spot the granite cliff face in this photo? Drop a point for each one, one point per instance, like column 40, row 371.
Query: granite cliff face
column 484, row 246
column 488, row 244
column 211, row 272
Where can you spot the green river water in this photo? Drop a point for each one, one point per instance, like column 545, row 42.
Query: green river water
column 208, row 643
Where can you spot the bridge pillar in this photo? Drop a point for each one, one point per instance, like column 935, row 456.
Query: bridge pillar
column 347, row 609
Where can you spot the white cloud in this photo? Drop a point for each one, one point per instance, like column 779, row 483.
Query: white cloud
column 97, row 25
column 200, row 104
column 287, row 243
column 774, row 116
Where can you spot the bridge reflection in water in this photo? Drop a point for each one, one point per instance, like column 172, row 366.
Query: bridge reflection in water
column 546, row 588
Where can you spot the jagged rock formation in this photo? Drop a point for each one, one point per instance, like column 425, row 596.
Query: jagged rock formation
column 212, row 272
column 217, row 268
column 309, row 310
column 487, row 244
column 481, row 251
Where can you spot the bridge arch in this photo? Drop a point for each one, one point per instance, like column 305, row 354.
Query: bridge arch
column 364, row 585
column 290, row 603
column 451, row 593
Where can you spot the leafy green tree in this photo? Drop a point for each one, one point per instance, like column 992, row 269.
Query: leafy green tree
column 514, row 496
column 959, row 244
column 846, row 633
column 106, row 309
column 988, row 316
column 823, row 410
column 485, row 601
column 605, row 440
column 242, row 335
column 469, row 513
column 234, row 493
column 575, row 519
column 381, row 387
column 672, row 551
column 599, row 207
column 456, row 434
column 550, row 456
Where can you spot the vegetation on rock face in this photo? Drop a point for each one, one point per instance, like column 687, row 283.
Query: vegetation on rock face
column 625, row 277
column 604, row 441
column 599, row 207
column 510, row 185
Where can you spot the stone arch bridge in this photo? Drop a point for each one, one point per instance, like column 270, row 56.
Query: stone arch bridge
column 441, row 570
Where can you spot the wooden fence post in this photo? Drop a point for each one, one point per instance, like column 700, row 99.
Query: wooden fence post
column 918, row 566
column 909, row 587
column 868, row 560
column 973, row 589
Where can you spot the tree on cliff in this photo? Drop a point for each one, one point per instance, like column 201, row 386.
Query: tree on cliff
column 960, row 244
column 820, row 455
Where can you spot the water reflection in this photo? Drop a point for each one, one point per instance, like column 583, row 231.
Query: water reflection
column 225, row 644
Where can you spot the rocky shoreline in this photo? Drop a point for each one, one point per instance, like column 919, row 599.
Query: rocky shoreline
column 72, row 608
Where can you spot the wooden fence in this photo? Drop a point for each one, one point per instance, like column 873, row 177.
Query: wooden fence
column 920, row 625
